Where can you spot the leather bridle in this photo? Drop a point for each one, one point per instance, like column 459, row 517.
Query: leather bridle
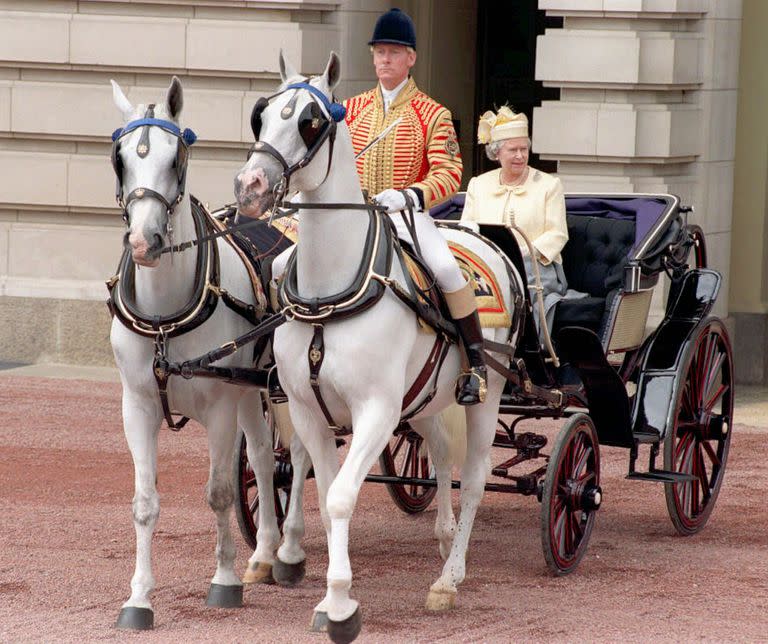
column 185, row 139
column 315, row 129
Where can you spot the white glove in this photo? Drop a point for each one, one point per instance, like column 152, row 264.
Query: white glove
column 394, row 200
column 470, row 225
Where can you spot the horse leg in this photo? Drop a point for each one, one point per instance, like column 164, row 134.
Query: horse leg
column 226, row 590
column 291, row 558
column 481, row 426
column 373, row 426
column 141, row 423
column 434, row 433
column 259, row 446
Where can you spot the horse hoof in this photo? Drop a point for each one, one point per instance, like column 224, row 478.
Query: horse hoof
column 221, row 596
column 136, row 619
column 346, row 631
column 260, row 573
column 319, row 622
column 288, row 574
column 441, row 600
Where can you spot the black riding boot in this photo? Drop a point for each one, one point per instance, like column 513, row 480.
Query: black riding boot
column 471, row 385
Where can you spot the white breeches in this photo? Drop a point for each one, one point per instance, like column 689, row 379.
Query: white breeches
column 434, row 250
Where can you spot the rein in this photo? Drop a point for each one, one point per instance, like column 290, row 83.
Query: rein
column 207, row 293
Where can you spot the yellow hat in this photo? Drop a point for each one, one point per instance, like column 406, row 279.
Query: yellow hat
column 506, row 124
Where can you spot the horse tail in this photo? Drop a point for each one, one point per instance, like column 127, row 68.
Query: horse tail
column 283, row 423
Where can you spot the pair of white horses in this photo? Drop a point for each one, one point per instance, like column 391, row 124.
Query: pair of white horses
column 370, row 361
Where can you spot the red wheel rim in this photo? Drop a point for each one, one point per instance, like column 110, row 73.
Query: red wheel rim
column 405, row 457
column 577, row 470
column 702, row 428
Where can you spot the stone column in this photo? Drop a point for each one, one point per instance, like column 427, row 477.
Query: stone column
column 648, row 104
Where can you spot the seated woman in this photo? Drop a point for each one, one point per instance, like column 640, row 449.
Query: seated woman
column 532, row 200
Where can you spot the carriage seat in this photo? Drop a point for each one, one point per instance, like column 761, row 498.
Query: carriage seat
column 593, row 263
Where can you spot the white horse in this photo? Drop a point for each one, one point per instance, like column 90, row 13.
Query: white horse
column 369, row 360
column 150, row 161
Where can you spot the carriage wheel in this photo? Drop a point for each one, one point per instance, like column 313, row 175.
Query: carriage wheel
column 571, row 495
column 247, row 493
column 698, row 442
column 405, row 457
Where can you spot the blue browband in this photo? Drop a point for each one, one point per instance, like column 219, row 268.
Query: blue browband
column 336, row 110
column 188, row 136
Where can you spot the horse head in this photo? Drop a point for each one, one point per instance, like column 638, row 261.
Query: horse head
column 149, row 156
column 295, row 131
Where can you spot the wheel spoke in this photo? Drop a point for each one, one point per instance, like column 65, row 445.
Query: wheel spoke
column 713, row 457
column 701, row 469
column 716, row 397
column 398, row 445
column 581, row 463
column 558, row 528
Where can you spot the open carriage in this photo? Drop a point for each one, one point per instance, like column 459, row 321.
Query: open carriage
column 669, row 392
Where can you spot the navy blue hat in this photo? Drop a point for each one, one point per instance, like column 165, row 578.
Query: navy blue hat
column 394, row 27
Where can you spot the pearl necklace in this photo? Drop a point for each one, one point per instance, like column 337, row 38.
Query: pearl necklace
column 518, row 182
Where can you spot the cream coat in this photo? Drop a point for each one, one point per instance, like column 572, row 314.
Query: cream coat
column 538, row 207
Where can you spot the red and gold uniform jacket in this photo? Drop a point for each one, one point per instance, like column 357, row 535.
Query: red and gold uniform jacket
column 421, row 153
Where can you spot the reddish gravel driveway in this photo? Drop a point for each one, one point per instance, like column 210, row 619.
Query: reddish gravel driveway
column 66, row 548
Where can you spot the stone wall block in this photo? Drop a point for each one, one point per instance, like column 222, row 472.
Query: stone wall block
column 214, row 115
column 718, row 134
column 64, row 251
column 5, row 230
column 576, row 7
column 34, row 37
column 242, row 46
column 715, row 207
column 565, row 128
column 128, row 41
column 616, row 130
column 5, row 106
column 91, row 182
column 728, row 9
column 70, row 109
column 719, row 258
column 572, row 56
column 31, row 178
column 58, row 331
column 720, row 54
column 604, row 58
column 213, row 181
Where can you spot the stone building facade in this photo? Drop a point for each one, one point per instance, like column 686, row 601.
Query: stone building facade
column 649, row 96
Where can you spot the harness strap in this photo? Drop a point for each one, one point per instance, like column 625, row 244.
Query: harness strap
column 519, row 376
column 428, row 399
column 434, row 363
column 243, row 309
column 315, row 356
column 162, row 374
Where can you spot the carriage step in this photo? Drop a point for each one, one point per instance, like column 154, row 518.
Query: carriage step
column 645, row 437
column 661, row 476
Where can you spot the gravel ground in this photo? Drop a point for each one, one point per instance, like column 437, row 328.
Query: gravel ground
column 66, row 548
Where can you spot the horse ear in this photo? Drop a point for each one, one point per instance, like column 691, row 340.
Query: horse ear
column 175, row 97
column 333, row 70
column 286, row 69
column 121, row 101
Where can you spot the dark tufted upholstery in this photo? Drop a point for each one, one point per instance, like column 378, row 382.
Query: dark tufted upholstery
column 594, row 257
column 593, row 262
